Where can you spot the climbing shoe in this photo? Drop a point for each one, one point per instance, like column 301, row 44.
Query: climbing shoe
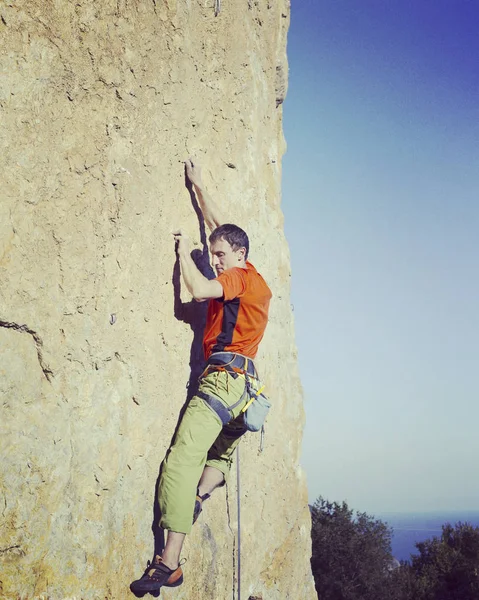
column 199, row 505
column 156, row 576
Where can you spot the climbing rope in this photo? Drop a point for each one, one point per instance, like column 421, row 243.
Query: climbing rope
column 238, row 496
column 238, row 506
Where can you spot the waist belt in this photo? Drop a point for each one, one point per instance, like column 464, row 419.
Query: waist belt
column 231, row 362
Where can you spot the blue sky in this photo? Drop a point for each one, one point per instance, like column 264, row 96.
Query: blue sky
column 381, row 203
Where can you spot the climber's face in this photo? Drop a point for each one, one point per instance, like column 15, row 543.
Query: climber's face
column 224, row 257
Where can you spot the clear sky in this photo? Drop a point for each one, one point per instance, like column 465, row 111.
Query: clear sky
column 381, row 203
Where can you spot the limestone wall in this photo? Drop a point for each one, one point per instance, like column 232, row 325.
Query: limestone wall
column 100, row 102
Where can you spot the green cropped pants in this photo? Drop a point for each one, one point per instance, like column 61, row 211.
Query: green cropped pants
column 201, row 440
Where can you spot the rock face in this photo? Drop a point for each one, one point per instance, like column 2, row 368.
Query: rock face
column 100, row 104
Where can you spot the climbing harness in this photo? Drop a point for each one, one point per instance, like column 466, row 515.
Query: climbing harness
column 235, row 364
column 256, row 409
column 218, row 407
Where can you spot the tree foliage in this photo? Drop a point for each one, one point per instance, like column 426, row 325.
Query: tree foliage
column 351, row 557
column 447, row 568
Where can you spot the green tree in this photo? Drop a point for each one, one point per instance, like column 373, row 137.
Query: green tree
column 447, row 568
column 351, row 557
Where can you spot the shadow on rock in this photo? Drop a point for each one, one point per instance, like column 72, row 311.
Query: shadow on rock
column 194, row 314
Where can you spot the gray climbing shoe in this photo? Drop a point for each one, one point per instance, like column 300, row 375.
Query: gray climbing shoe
column 156, row 576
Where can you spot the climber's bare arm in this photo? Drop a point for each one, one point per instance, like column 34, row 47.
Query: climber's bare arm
column 200, row 288
column 211, row 211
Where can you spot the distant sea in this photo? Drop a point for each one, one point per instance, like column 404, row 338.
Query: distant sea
column 410, row 528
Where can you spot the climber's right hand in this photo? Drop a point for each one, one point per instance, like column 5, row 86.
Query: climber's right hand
column 193, row 171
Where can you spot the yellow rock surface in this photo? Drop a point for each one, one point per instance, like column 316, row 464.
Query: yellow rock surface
column 100, row 103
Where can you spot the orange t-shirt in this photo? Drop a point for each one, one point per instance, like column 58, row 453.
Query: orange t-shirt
column 237, row 321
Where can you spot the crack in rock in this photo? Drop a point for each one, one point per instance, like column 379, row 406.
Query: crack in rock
column 3, row 550
column 234, row 540
column 38, row 344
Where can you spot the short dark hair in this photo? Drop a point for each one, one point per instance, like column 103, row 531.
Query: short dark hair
column 232, row 234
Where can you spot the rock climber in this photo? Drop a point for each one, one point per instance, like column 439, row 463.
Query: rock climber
column 201, row 455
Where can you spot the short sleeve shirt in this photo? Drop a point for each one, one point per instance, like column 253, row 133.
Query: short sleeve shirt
column 237, row 321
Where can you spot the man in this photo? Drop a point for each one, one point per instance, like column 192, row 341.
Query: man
column 201, row 455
